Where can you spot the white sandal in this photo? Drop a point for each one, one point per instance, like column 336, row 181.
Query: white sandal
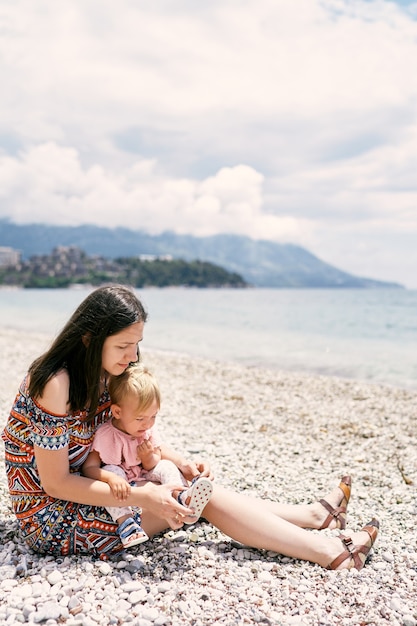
column 199, row 493
column 130, row 533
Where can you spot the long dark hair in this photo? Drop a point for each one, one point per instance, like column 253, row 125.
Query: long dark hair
column 78, row 347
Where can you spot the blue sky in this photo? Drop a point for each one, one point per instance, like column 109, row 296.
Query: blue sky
column 290, row 121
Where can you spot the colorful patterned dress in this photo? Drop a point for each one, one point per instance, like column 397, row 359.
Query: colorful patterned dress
column 51, row 526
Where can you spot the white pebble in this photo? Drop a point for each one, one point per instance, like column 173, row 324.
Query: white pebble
column 105, row 569
column 150, row 614
column 54, row 577
column 379, row 566
column 164, row 587
column 23, row 591
column 138, row 596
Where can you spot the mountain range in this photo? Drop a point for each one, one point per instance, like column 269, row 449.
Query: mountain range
column 261, row 263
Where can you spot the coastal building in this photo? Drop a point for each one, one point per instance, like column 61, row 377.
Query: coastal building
column 9, row 256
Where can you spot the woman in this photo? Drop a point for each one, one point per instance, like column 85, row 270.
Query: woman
column 60, row 404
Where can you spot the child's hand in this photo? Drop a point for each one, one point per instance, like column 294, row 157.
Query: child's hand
column 144, row 449
column 191, row 469
column 120, row 488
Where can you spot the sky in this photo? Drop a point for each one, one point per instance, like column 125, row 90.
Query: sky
column 292, row 121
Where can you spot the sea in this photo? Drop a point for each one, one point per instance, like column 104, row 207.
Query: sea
column 368, row 335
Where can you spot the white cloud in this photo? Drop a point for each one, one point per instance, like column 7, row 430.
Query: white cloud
column 48, row 183
column 292, row 121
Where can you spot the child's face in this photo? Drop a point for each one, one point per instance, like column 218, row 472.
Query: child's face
column 132, row 421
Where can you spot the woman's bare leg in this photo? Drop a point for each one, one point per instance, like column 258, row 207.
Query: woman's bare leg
column 256, row 523
column 258, row 526
column 303, row 515
column 153, row 525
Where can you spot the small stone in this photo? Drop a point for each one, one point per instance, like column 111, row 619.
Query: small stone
column 23, row 591
column 74, row 605
column 105, row 569
column 27, row 610
column 22, row 568
column 180, row 535
column 48, row 611
column 310, row 597
column 7, row 572
column 150, row 614
column 379, row 566
column 132, row 585
column 54, row 577
column 134, row 566
column 396, row 605
column 138, row 596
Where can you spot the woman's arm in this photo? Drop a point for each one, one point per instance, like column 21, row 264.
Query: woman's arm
column 53, row 465
column 58, row 482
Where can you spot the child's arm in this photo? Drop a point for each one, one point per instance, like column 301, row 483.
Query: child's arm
column 91, row 468
column 148, row 455
column 189, row 469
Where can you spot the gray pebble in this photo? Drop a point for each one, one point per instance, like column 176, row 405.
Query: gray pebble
column 134, row 566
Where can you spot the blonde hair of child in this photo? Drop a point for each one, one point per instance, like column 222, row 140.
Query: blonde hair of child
column 135, row 381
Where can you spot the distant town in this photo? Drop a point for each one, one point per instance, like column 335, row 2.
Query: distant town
column 67, row 266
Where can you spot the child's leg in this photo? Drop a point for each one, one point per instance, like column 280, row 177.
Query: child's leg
column 165, row 472
column 131, row 533
column 118, row 513
column 130, row 530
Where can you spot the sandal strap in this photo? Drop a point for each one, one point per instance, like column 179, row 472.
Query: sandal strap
column 338, row 513
column 355, row 552
column 348, row 553
column 180, row 497
column 128, row 527
column 372, row 530
column 334, row 512
column 346, row 490
column 182, row 494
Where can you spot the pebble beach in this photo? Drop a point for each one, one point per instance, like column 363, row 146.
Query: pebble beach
column 279, row 435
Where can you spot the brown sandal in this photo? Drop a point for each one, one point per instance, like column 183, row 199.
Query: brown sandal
column 338, row 513
column 354, row 552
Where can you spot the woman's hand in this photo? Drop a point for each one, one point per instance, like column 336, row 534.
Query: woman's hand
column 159, row 501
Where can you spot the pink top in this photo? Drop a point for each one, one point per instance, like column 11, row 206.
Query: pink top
column 117, row 448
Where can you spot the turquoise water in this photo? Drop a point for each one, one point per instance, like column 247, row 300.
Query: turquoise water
column 362, row 334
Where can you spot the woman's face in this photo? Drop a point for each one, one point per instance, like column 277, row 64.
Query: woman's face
column 121, row 349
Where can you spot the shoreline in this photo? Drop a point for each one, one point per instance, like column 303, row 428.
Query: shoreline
column 355, row 335
column 281, row 435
